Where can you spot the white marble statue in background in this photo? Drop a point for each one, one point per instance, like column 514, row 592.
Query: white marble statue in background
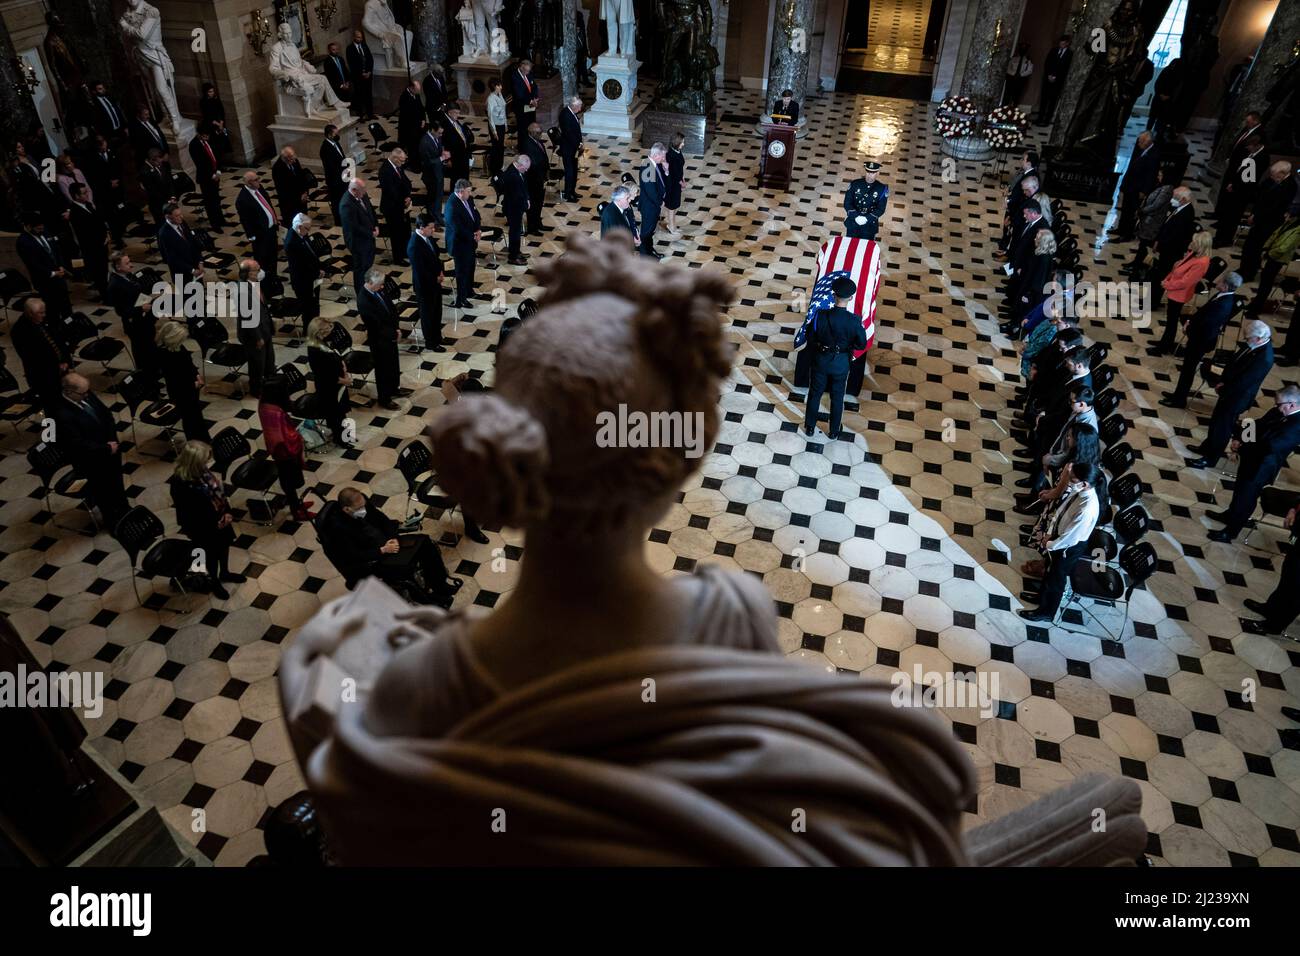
column 141, row 25
column 620, row 27
column 469, row 35
column 297, row 75
column 379, row 22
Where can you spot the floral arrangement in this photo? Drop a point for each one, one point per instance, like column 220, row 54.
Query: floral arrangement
column 1006, row 127
column 956, row 117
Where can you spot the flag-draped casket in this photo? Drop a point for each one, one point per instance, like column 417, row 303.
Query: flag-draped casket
column 859, row 259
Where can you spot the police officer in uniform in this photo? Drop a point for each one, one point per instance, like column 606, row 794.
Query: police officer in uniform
column 865, row 203
column 835, row 335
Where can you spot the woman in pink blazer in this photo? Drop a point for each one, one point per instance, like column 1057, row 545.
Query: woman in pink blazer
column 1180, row 286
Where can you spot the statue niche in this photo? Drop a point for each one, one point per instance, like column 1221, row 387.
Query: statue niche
column 687, row 60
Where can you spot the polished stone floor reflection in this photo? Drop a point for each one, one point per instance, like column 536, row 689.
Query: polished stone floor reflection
column 892, row 551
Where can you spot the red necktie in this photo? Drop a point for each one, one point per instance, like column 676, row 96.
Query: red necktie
column 267, row 206
column 212, row 159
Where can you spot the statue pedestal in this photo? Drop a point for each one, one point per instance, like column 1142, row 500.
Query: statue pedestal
column 616, row 111
column 178, row 141
column 1077, row 176
column 387, row 83
column 658, row 126
column 472, row 74
column 305, row 134
column 388, row 59
column 550, row 100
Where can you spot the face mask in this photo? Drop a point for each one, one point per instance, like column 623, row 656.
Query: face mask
column 1174, row 203
column 261, row 274
column 359, row 513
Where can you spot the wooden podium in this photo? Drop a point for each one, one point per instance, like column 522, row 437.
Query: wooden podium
column 777, row 161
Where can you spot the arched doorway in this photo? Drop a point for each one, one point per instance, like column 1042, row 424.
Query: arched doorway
column 889, row 47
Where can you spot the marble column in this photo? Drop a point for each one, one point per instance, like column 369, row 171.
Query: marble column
column 1093, row 16
column 993, row 38
column 17, row 106
column 1272, row 57
column 568, row 61
column 791, row 42
column 92, row 32
column 721, row 11
column 430, row 26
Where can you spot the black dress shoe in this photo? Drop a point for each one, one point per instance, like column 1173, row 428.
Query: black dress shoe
column 1258, row 627
column 1220, row 536
column 461, row 304
column 1025, row 482
column 517, row 261
column 389, row 404
column 403, row 393
column 219, row 592
column 1197, row 463
column 810, row 432
column 1031, row 596
column 1170, row 402
column 478, row 537
column 1259, row 607
column 1035, row 615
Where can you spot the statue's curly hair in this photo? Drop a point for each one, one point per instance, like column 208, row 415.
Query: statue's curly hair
column 614, row 328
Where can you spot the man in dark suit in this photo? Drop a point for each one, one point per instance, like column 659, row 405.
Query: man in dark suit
column 1242, row 376
column 1262, row 451
column 395, row 203
column 255, row 329
column 426, row 276
column 139, row 323
column 523, row 98
column 537, row 175
column 785, row 111
column 382, row 334
column 361, row 65
column 332, row 163
column 651, row 197
column 410, row 118
column 1173, row 239
column 1240, row 187
column 1276, row 194
column 145, row 134
column 371, row 545
column 208, row 177
column 91, row 232
column 1240, row 147
column 87, row 432
column 104, row 173
column 337, row 72
column 432, row 155
column 435, row 92
column 837, row 333
column 304, row 268
column 179, row 246
column 618, row 214
column 1024, row 245
column 463, row 224
column 458, row 139
column 158, row 183
column 1283, row 605
column 570, row 147
column 1055, row 70
column 47, row 268
column 514, row 201
column 42, row 351
column 1139, row 179
column 293, row 182
column 1017, row 194
column 109, row 120
column 1203, row 331
column 260, row 223
column 360, row 230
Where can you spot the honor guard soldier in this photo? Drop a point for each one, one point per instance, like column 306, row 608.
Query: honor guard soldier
column 865, row 204
column 836, row 335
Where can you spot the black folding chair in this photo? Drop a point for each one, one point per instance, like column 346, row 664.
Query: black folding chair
column 360, row 364
column 415, row 462
column 78, row 328
column 1113, row 430
column 1105, row 584
column 1275, row 502
column 1118, row 459
column 215, row 348
column 144, row 404
column 1132, row 523
column 49, row 462
column 1126, row 490
column 254, row 473
column 140, row 531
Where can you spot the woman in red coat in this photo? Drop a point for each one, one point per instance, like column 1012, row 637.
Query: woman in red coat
column 1180, row 285
column 283, row 443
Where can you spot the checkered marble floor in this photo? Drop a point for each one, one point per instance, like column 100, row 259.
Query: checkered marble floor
column 895, row 37
column 894, row 550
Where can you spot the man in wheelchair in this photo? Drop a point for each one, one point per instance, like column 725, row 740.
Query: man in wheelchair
column 362, row 541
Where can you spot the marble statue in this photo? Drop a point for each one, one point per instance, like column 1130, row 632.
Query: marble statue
column 379, row 22
column 620, row 26
column 469, row 36
column 1109, row 88
column 141, row 25
column 687, row 57
column 297, row 76
column 64, row 64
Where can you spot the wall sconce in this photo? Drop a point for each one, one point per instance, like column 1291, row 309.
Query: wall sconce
column 26, row 81
column 259, row 33
column 325, row 11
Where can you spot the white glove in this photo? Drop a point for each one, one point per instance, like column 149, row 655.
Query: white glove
column 861, row 220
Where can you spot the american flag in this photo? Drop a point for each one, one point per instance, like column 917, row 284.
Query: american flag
column 859, row 259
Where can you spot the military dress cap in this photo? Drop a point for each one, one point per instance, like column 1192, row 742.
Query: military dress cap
column 871, row 166
column 843, row 287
